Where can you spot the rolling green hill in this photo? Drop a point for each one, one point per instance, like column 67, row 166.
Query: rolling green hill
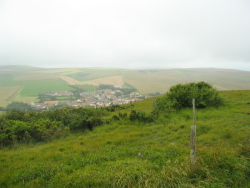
column 125, row 153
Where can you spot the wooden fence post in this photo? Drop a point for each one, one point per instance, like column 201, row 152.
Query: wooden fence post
column 155, row 106
column 193, row 141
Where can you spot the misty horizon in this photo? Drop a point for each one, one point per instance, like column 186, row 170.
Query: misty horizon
column 132, row 34
column 147, row 68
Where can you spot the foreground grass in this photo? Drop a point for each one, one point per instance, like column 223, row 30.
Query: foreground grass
column 125, row 154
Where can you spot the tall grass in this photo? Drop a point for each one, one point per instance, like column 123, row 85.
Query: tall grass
column 156, row 154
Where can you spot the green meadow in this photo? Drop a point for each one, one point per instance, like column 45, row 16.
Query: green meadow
column 33, row 88
column 92, row 74
column 26, row 91
column 88, row 88
column 125, row 153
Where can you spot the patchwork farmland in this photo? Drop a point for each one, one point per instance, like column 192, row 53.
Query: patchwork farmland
column 22, row 83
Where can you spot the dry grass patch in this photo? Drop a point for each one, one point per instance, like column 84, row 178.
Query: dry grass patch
column 59, row 71
column 7, row 94
column 112, row 80
column 19, row 98
column 70, row 81
column 151, row 82
column 73, row 71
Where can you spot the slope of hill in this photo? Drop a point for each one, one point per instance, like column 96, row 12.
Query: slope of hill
column 126, row 153
column 161, row 80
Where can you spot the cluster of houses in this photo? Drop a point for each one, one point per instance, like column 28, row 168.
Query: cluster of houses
column 100, row 98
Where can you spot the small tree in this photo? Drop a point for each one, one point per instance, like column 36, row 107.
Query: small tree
column 181, row 95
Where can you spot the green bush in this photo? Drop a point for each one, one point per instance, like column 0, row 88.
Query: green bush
column 140, row 116
column 181, row 96
column 20, row 106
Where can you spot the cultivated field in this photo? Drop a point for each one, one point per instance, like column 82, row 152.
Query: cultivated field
column 94, row 73
column 23, row 76
column 7, row 94
column 70, row 81
column 23, row 84
column 222, row 79
column 151, row 82
column 57, row 71
column 20, row 98
column 33, row 88
column 161, row 80
column 112, row 80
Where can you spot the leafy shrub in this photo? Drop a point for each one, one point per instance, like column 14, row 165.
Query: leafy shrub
column 105, row 86
column 19, row 106
column 115, row 117
column 13, row 131
column 18, row 126
column 114, row 108
column 15, row 115
column 16, row 131
column 121, row 115
column 45, row 129
column 181, row 96
column 140, row 116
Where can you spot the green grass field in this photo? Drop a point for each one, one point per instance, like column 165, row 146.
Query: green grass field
column 92, row 74
column 23, row 76
column 19, row 98
column 33, row 88
column 8, row 94
column 5, row 78
column 88, row 88
column 135, row 154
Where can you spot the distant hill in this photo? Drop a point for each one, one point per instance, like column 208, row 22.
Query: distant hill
column 23, row 83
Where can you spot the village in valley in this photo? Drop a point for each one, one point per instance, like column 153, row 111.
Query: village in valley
column 99, row 98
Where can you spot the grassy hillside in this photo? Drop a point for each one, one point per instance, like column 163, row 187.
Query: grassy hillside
column 135, row 154
column 150, row 81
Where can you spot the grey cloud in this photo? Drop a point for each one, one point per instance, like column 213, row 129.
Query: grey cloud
column 129, row 34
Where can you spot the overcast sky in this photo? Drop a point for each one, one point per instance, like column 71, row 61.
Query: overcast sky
column 125, row 33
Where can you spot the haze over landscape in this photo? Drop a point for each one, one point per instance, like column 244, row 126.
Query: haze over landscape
column 102, row 93
column 125, row 34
